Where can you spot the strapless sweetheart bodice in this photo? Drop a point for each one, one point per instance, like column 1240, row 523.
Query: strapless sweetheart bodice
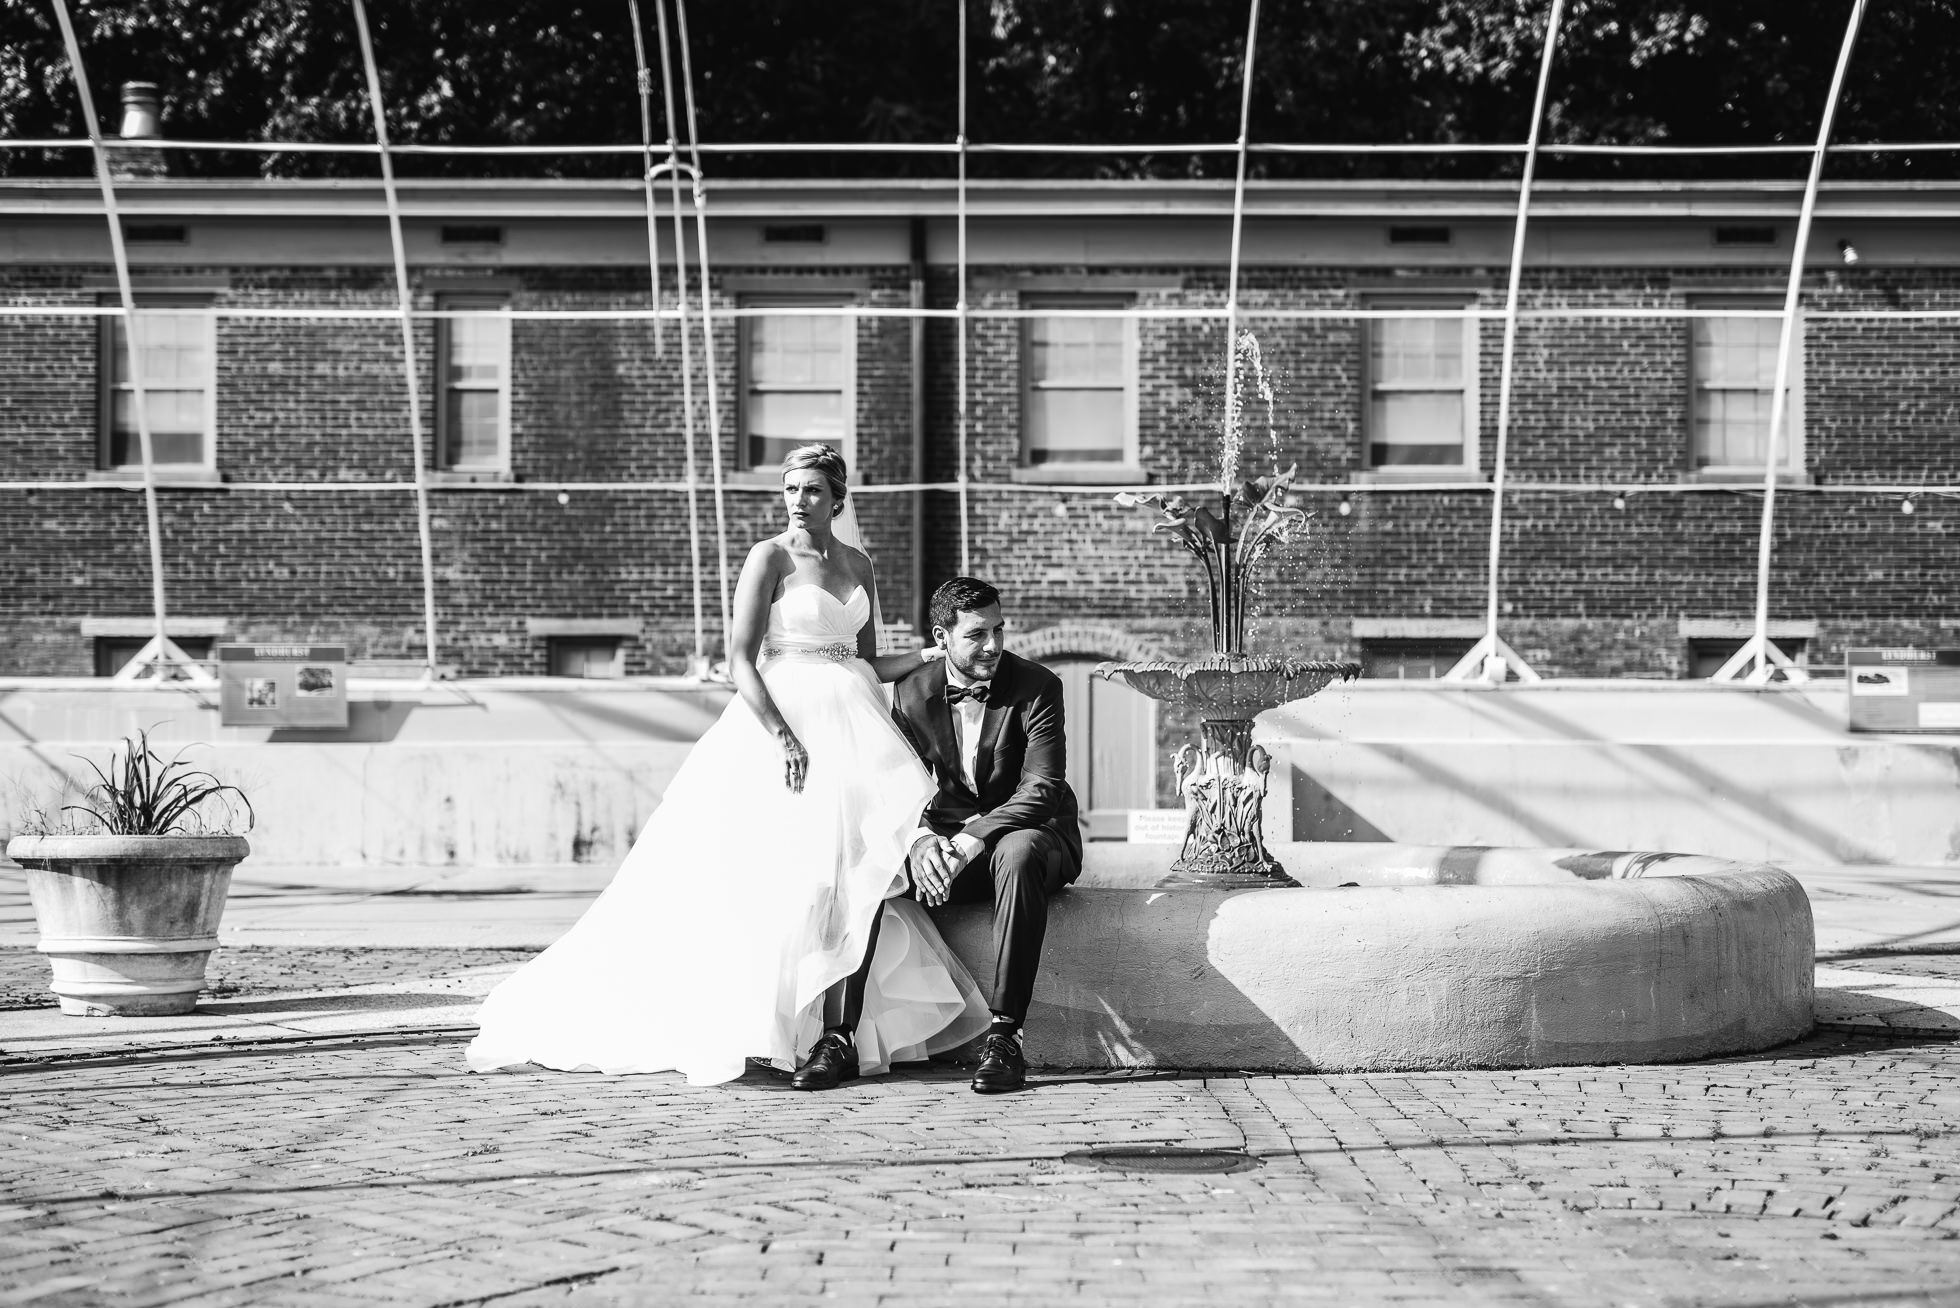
column 809, row 619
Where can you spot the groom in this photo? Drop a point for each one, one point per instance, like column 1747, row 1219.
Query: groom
column 1003, row 825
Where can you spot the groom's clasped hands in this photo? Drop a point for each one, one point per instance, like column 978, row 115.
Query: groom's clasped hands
column 933, row 863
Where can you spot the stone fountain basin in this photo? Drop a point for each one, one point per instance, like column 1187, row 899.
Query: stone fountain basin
column 1437, row 958
column 1229, row 687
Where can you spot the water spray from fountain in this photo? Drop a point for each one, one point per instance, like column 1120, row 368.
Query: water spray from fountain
column 1223, row 780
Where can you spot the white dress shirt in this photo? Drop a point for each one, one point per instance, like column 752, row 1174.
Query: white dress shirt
column 969, row 716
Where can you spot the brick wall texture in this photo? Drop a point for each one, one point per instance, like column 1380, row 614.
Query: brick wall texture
column 1587, row 589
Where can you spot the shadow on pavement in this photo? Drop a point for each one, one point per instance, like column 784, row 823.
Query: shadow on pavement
column 1822, row 1044
column 714, row 1166
column 299, row 1005
column 1891, row 953
column 1838, row 1042
column 1930, row 1294
column 221, row 1046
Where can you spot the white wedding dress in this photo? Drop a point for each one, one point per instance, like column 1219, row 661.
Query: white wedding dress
column 741, row 902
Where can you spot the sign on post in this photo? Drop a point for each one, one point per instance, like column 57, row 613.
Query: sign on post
column 282, row 686
column 1903, row 689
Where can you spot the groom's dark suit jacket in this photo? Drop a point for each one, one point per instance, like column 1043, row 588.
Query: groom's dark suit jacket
column 1021, row 766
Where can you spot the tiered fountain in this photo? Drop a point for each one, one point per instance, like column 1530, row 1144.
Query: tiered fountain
column 1223, row 779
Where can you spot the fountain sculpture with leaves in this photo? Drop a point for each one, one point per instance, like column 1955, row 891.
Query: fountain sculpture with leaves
column 1223, row 780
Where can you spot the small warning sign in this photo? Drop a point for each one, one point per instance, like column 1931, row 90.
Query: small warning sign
column 282, row 686
column 1903, row 689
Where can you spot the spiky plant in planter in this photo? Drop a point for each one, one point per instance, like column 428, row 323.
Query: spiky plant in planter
column 142, row 795
column 128, row 884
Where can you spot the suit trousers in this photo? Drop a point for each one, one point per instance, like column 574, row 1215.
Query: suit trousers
column 1020, row 871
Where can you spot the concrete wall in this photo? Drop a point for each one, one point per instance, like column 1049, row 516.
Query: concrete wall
column 512, row 772
column 476, row 775
column 1770, row 774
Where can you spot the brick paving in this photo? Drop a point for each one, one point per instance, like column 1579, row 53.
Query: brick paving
column 373, row 1170
column 258, row 1159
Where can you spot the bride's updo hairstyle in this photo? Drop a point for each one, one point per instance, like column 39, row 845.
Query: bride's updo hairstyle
column 825, row 459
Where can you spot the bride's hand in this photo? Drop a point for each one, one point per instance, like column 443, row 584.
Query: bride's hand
column 796, row 760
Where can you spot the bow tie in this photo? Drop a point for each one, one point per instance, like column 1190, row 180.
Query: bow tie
column 976, row 693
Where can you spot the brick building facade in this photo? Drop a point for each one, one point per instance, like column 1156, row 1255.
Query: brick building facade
column 539, row 569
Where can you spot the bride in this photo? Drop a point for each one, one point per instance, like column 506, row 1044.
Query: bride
column 758, row 912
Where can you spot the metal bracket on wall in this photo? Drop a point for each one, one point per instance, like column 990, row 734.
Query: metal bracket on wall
column 1490, row 659
column 1757, row 662
column 162, row 660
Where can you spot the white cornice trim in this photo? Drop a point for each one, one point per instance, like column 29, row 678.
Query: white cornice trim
column 774, row 201
column 1417, row 628
column 630, row 628
column 1733, row 628
column 129, row 627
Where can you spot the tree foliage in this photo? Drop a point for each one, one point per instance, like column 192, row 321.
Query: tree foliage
column 1132, row 72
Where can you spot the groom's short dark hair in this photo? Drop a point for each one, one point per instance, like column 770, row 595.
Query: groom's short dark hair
column 960, row 595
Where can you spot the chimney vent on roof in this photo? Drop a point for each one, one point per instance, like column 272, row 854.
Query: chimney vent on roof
column 142, row 115
column 142, row 120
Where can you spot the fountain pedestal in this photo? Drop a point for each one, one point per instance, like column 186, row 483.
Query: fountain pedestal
column 1222, row 780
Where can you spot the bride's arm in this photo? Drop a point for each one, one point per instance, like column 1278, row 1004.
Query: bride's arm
column 889, row 667
column 751, row 619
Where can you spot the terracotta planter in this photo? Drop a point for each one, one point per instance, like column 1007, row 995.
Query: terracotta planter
column 128, row 922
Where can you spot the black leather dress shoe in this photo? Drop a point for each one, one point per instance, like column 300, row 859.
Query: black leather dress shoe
column 1002, row 1069
column 833, row 1060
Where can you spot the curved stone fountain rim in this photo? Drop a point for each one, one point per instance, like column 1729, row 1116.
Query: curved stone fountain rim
column 1118, row 865
column 1689, row 957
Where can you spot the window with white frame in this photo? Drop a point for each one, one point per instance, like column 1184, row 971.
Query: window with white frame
column 1421, row 388
column 1079, row 384
column 1732, row 382
column 178, row 344
column 473, row 384
column 798, row 378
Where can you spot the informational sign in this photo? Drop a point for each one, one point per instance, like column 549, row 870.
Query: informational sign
column 1903, row 689
column 282, row 686
column 1157, row 826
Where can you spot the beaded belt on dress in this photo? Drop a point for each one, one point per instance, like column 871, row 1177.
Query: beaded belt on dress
column 841, row 652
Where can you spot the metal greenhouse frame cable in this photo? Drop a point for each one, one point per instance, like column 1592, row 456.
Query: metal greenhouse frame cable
column 707, row 292
column 960, row 310
column 1255, row 313
column 159, row 653
column 407, row 298
column 1490, row 657
column 644, row 79
column 1227, row 475
column 1344, row 489
column 1758, row 650
column 643, row 85
column 1000, row 148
